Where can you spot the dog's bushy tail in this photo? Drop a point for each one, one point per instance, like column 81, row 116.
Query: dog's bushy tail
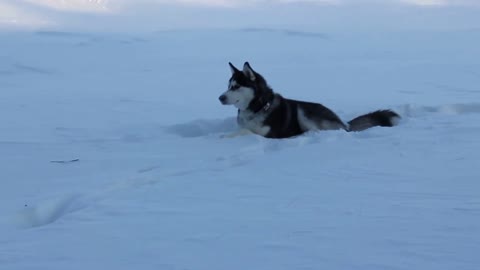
column 383, row 118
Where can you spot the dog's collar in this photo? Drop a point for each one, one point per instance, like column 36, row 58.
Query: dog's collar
column 260, row 106
column 263, row 108
column 266, row 107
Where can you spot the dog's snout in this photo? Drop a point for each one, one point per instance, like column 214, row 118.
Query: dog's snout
column 222, row 98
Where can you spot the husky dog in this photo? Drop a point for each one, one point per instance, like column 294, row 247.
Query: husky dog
column 266, row 113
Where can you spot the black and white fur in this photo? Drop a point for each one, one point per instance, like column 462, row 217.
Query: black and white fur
column 268, row 114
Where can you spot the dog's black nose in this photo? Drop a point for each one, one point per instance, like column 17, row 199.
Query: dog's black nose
column 222, row 98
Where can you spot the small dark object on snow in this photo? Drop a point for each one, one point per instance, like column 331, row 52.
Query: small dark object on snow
column 65, row 161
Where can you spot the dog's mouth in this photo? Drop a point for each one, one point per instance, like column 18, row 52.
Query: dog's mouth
column 225, row 102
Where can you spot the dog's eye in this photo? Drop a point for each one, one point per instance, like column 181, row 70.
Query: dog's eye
column 234, row 87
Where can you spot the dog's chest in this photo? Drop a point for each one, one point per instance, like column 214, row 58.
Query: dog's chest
column 253, row 122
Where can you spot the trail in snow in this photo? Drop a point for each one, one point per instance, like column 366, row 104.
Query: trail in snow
column 204, row 127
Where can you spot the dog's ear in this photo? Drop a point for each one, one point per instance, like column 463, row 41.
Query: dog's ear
column 233, row 68
column 248, row 71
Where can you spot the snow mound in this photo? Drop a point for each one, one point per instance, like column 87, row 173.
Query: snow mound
column 410, row 110
column 48, row 211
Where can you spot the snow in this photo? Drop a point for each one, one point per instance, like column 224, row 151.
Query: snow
column 156, row 187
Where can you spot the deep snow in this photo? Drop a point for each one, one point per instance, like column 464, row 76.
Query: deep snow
column 156, row 187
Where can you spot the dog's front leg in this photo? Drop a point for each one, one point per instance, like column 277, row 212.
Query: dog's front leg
column 240, row 132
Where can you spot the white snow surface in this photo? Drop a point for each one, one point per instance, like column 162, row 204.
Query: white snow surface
column 156, row 187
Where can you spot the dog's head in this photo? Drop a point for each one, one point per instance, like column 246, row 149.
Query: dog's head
column 243, row 87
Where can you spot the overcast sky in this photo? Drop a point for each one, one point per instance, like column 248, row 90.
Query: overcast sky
column 151, row 15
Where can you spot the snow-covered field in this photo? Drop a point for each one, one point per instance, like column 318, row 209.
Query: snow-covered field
column 155, row 187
